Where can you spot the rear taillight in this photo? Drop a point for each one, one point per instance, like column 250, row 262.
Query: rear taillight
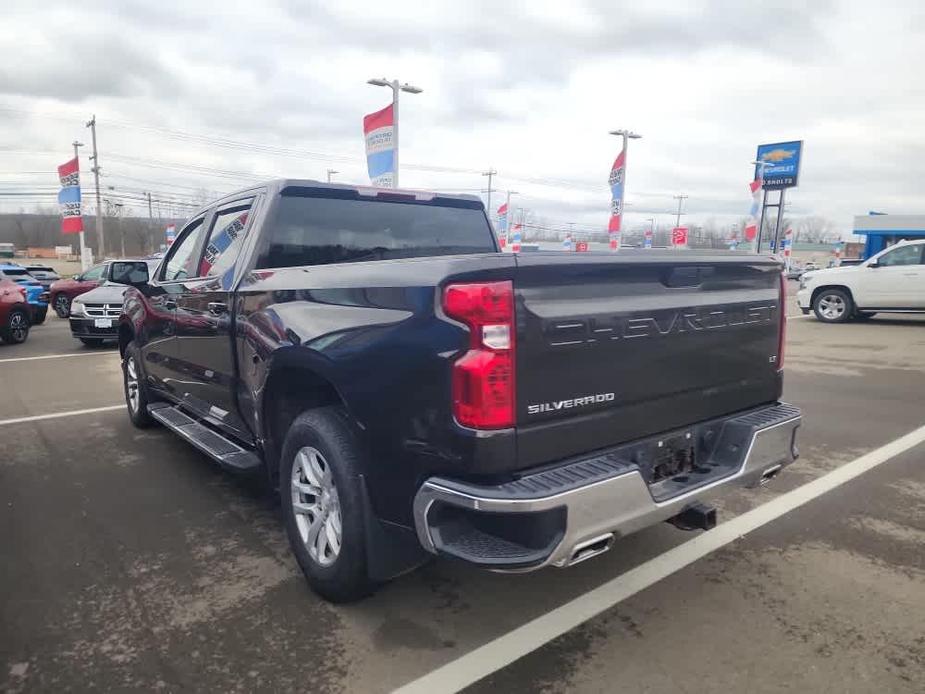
column 782, row 333
column 483, row 378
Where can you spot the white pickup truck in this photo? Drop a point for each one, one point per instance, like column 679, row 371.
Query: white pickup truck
column 891, row 281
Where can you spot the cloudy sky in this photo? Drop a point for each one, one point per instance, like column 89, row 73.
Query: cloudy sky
column 188, row 98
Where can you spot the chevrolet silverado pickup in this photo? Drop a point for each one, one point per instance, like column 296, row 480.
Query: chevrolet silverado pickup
column 410, row 390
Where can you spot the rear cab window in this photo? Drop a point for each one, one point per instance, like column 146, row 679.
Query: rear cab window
column 323, row 226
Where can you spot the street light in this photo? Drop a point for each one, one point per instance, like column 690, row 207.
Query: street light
column 396, row 87
column 331, row 172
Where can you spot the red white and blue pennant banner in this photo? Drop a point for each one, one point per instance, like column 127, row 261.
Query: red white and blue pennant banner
column 69, row 197
column 502, row 225
column 379, row 129
column 751, row 226
column 616, row 179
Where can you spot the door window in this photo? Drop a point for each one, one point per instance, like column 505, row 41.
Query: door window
column 94, row 274
column 225, row 241
column 904, row 255
column 181, row 263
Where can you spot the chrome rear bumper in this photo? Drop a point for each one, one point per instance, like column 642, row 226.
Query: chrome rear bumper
column 581, row 506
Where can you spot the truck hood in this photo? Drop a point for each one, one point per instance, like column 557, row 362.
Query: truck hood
column 831, row 272
column 109, row 293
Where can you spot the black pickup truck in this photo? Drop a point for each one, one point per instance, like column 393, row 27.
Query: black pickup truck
column 410, row 390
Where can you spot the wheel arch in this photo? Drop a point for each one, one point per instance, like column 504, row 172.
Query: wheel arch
column 126, row 335
column 818, row 290
column 292, row 387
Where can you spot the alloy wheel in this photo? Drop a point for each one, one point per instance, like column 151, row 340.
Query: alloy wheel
column 316, row 506
column 19, row 327
column 832, row 306
column 131, row 383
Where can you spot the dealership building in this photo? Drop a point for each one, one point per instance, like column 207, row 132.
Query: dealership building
column 883, row 230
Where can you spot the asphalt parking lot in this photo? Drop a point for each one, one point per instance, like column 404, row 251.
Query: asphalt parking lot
column 130, row 562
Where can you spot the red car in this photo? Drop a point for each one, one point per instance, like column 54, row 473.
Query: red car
column 63, row 291
column 14, row 312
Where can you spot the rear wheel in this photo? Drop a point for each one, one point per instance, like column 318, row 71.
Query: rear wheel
column 16, row 329
column 322, row 503
column 62, row 306
column 91, row 341
column 833, row 306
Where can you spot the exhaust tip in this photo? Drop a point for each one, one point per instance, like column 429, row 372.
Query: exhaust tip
column 769, row 474
column 590, row 548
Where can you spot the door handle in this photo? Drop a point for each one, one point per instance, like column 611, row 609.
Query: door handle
column 217, row 308
column 170, row 304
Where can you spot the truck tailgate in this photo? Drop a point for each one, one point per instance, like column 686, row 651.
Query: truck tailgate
column 614, row 348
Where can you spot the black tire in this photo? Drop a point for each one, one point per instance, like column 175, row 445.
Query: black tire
column 39, row 315
column 833, row 306
column 864, row 315
column 91, row 341
column 326, row 431
column 62, row 306
column 16, row 329
column 137, row 410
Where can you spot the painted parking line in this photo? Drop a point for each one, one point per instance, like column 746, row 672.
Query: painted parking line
column 57, row 415
column 799, row 316
column 504, row 650
column 58, row 356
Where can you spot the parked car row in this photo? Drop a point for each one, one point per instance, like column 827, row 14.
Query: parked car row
column 91, row 300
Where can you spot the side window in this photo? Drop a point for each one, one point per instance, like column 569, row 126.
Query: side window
column 225, row 241
column 904, row 255
column 94, row 273
column 181, row 262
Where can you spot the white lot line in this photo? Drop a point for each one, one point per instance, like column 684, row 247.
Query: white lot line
column 525, row 639
column 799, row 316
column 57, row 415
column 58, row 356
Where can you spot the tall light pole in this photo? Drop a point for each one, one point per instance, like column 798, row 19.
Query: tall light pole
column 627, row 135
column 761, row 166
column 96, row 175
column 680, row 198
column 396, row 87
column 331, row 172
column 490, row 173
column 83, row 261
column 508, row 216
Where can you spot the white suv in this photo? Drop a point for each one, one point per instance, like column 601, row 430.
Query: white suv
column 892, row 280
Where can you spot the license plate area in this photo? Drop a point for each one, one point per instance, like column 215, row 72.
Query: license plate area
column 102, row 323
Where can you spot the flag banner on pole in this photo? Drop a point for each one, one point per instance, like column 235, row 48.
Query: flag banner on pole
column 516, row 238
column 502, row 226
column 379, row 130
column 679, row 237
column 616, row 178
column 69, row 197
column 170, row 234
column 751, row 227
column 647, row 239
column 787, row 244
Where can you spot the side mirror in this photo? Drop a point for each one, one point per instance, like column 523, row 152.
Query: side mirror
column 75, row 277
column 874, row 263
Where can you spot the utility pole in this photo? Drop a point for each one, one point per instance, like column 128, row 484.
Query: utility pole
column 491, row 172
column 680, row 199
column 331, row 172
column 96, row 175
column 83, row 245
column 118, row 207
column 396, row 88
column 150, row 213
